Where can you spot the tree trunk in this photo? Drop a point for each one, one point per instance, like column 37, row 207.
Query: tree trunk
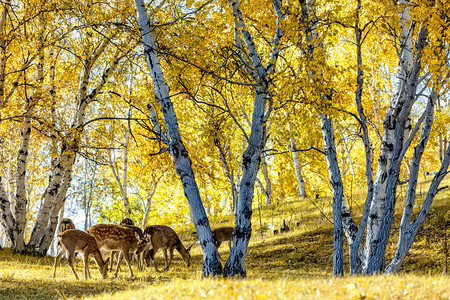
column 338, row 194
column 235, row 265
column 384, row 160
column 376, row 260
column 7, row 218
column 297, row 167
column 402, row 248
column 268, row 189
column 211, row 262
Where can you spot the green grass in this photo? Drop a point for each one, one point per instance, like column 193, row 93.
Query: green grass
column 292, row 265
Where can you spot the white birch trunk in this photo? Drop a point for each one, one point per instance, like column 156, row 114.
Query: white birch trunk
column 123, row 184
column 384, row 160
column 402, row 248
column 126, row 202
column 211, row 262
column 235, row 265
column 338, row 194
column 7, row 218
column 297, row 168
column 401, row 123
column 268, row 189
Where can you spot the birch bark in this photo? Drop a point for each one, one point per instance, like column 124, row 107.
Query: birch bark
column 235, row 265
column 211, row 262
column 387, row 143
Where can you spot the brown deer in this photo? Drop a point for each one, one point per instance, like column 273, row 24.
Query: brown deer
column 223, row 234
column 112, row 237
column 165, row 238
column 72, row 240
column 66, row 224
column 127, row 222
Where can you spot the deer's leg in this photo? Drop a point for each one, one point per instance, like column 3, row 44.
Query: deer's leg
column 165, row 258
column 86, row 265
column 126, row 254
column 170, row 258
column 152, row 255
column 71, row 258
column 57, row 258
column 119, row 259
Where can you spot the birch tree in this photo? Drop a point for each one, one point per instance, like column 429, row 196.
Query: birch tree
column 180, row 156
column 395, row 141
column 261, row 76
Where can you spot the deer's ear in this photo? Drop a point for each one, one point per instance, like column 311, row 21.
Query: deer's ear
column 147, row 237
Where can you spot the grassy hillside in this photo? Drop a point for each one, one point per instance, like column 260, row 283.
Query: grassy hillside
column 294, row 264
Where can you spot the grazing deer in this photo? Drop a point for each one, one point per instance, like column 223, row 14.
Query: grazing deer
column 117, row 238
column 165, row 238
column 125, row 221
column 223, row 234
column 72, row 240
column 66, row 224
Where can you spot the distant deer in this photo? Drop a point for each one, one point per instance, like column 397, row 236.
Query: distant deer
column 165, row 238
column 66, row 224
column 72, row 240
column 223, row 234
column 117, row 238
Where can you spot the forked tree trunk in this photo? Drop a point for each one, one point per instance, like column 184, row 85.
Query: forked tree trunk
column 235, row 265
column 389, row 123
column 401, row 122
column 211, row 262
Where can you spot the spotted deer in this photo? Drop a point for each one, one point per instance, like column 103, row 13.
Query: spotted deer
column 127, row 222
column 66, row 224
column 223, row 234
column 112, row 237
column 165, row 238
column 72, row 240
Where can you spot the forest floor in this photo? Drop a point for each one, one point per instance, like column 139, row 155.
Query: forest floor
column 290, row 265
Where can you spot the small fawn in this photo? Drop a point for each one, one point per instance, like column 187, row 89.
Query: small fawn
column 73, row 240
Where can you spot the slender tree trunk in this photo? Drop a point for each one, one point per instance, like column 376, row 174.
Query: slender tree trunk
column 297, row 168
column 69, row 148
column 338, row 194
column 234, row 193
column 211, row 262
column 268, row 189
column 356, row 253
column 235, row 265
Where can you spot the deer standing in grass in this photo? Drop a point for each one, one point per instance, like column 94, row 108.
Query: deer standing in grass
column 117, row 238
column 124, row 222
column 165, row 238
column 223, row 234
column 72, row 240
